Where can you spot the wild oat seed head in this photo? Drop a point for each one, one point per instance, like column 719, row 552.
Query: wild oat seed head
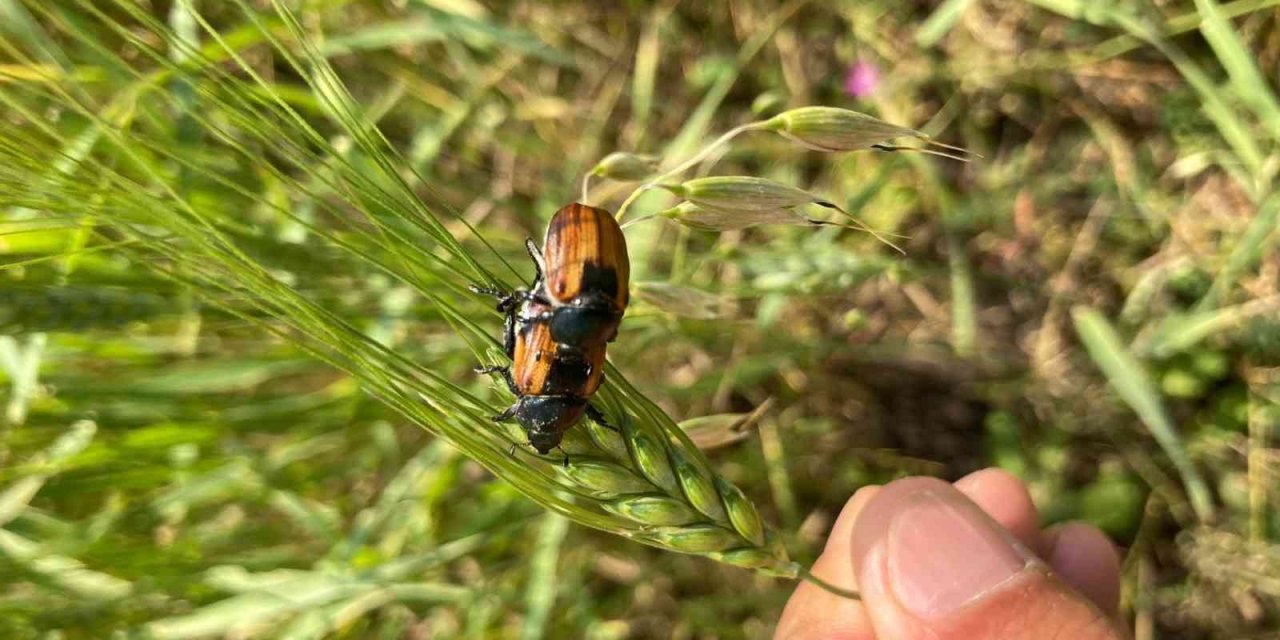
column 740, row 193
column 623, row 166
column 835, row 129
column 696, row 217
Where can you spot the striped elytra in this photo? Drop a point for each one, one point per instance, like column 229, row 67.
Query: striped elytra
column 586, row 253
column 558, row 330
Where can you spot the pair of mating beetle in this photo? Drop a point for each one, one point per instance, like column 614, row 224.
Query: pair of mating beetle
column 557, row 330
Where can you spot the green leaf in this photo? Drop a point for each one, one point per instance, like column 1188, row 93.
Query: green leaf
column 1179, row 333
column 249, row 610
column 1242, row 65
column 218, row 376
column 540, row 592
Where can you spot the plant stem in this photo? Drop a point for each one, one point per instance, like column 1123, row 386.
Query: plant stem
column 808, row 576
column 684, row 166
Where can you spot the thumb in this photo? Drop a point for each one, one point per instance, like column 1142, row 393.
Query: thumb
column 931, row 564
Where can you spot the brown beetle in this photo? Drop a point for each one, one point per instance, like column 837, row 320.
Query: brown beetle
column 553, row 385
column 556, row 332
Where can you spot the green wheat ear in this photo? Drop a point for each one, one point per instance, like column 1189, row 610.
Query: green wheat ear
column 128, row 177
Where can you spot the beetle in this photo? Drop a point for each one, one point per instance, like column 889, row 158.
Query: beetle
column 557, row 331
column 553, row 385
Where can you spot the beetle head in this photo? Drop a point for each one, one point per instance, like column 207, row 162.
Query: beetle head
column 544, row 441
column 546, row 418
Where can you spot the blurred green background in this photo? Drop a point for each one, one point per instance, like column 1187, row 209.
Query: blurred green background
column 1094, row 305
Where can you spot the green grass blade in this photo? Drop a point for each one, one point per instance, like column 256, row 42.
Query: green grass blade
column 1177, row 25
column 16, row 21
column 302, row 592
column 1249, row 251
column 1131, row 382
column 543, row 586
column 1181, row 332
column 964, row 306
column 1241, row 65
column 1234, row 130
column 63, row 571
column 432, row 25
column 940, row 22
column 15, row 498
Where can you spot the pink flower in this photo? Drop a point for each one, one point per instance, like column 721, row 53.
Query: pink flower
column 862, row 79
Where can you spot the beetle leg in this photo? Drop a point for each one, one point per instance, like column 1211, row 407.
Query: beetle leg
column 509, row 335
column 506, row 375
column 512, row 451
column 598, row 417
column 566, row 457
column 492, row 292
column 486, row 291
column 521, row 295
column 507, row 300
column 507, row 414
column 535, row 294
column 511, row 383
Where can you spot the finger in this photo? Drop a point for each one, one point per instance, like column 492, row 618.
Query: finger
column 1004, row 497
column 841, row 538
column 1085, row 558
column 815, row 613
column 932, row 564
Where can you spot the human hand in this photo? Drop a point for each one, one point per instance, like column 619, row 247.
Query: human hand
column 968, row 561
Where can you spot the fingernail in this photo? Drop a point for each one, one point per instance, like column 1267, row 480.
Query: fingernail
column 942, row 555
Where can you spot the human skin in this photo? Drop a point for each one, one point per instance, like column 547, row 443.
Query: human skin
column 970, row 560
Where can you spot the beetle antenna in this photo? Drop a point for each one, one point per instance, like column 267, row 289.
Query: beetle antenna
column 600, row 419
